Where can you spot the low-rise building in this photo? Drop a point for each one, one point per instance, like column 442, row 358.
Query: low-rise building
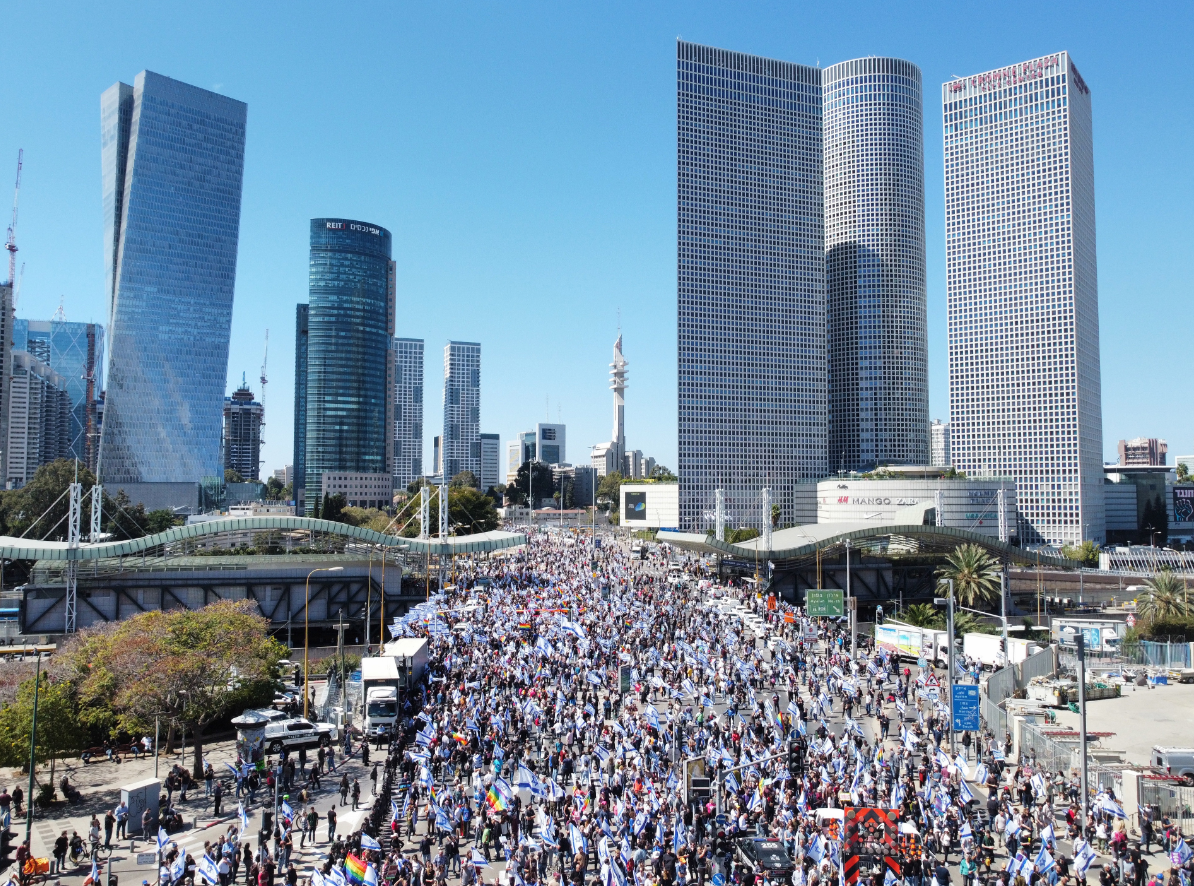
column 359, row 490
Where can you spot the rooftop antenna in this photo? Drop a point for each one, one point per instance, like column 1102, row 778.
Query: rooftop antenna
column 264, row 382
column 60, row 314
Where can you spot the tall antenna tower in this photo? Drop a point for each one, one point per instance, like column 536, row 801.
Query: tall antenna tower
column 11, row 243
column 264, row 382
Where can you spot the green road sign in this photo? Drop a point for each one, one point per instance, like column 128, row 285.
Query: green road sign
column 825, row 603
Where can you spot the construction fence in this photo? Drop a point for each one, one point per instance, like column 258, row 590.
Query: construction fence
column 1174, row 801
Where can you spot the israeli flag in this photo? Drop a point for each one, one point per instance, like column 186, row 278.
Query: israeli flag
column 965, row 793
column 370, row 875
column 441, row 821
column 1109, row 805
column 164, row 838
column 287, row 812
column 208, row 870
column 1038, row 784
column 579, row 843
column 816, row 849
column 1047, row 837
column 889, row 879
column 1181, row 853
column 1043, row 860
column 316, row 878
column 731, row 782
column 981, row 774
column 965, row 832
column 244, row 818
column 1084, row 856
column 602, row 754
column 653, row 717
column 368, row 842
column 476, row 859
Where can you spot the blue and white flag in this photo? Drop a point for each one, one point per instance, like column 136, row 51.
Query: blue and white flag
column 1181, row 853
column 578, row 840
column 1047, row 836
column 731, row 782
column 1084, row 856
column 966, row 834
column 164, row 839
column 316, row 878
column 368, row 842
column 981, row 774
column 370, row 875
column 1043, row 860
column 208, row 871
column 1109, row 805
column 243, row 814
column 816, row 848
column 965, row 793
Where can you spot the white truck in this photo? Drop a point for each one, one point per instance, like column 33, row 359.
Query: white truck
column 411, row 656
column 1175, row 761
column 1102, row 635
column 909, row 641
column 987, row 649
column 380, row 679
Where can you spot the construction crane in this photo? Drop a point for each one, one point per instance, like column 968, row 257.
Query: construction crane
column 264, row 382
column 11, row 243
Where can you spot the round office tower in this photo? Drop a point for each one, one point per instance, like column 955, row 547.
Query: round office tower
column 875, row 264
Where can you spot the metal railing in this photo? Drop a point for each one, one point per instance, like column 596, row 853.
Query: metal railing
column 1175, row 801
column 1053, row 755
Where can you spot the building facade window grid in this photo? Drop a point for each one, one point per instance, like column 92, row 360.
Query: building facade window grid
column 875, row 264
column 1022, row 292
column 752, row 398
column 461, row 437
column 348, row 347
column 408, row 411
column 173, row 167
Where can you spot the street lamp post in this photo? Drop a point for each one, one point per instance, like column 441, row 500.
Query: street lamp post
column 949, row 602
column 307, row 636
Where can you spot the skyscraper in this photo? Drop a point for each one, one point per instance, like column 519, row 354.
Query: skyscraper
column 301, row 314
column 939, row 444
column 875, row 264
column 1022, row 289
column 751, row 282
column 242, row 433
column 350, row 324
column 408, row 411
column 173, row 164
column 491, row 460
column 76, row 352
column 39, row 419
column 461, row 444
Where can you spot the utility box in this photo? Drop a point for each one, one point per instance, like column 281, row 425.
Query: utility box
column 139, row 797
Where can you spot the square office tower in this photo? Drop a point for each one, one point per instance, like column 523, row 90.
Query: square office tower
column 461, row 444
column 1022, row 289
column 752, row 398
column 408, row 411
column 173, row 164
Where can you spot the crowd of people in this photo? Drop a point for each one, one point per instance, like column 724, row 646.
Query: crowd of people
column 588, row 718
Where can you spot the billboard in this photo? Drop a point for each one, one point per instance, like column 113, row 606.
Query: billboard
column 1183, row 504
column 636, row 506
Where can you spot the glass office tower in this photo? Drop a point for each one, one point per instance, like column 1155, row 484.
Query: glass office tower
column 76, row 352
column 1022, row 289
column 173, row 164
column 875, row 264
column 751, row 283
column 300, row 406
column 350, row 323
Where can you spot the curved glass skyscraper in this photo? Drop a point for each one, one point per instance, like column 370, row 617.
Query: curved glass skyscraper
column 173, row 163
column 875, row 264
column 350, row 323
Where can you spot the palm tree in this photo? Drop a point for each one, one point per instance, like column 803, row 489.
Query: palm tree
column 975, row 575
column 1164, row 599
column 922, row 615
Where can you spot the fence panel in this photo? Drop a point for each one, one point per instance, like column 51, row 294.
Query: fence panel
column 1042, row 664
column 1176, row 801
column 1159, row 655
column 1054, row 756
column 1001, row 684
column 994, row 716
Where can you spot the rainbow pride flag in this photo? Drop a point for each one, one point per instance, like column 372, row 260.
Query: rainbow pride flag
column 495, row 801
column 354, row 868
column 460, row 737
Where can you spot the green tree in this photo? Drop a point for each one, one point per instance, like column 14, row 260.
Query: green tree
column 923, row 615
column 775, row 513
column 741, row 534
column 333, row 508
column 465, row 479
column 190, row 668
column 1183, row 473
column 1165, row 598
column 1154, row 521
column 975, row 574
column 59, row 731
column 609, row 488
column 544, row 483
column 471, row 511
column 659, row 472
column 231, row 475
column 273, row 489
column 1085, row 554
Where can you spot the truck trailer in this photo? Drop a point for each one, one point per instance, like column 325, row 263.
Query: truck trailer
column 909, row 641
column 988, row 649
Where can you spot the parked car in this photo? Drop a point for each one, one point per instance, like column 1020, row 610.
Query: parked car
column 296, row 732
column 764, row 855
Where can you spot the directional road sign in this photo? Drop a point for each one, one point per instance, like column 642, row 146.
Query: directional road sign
column 824, row 604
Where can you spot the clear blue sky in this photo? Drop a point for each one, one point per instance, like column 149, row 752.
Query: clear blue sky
column 524, row 158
